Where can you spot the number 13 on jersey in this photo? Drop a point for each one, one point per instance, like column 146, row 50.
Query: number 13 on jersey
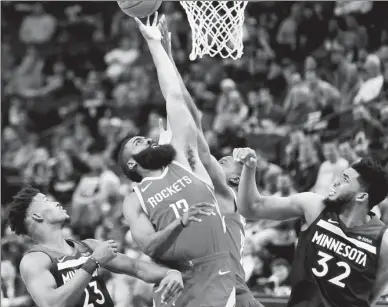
column 180, row 207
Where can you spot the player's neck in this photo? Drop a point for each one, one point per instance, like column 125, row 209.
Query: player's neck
column 153, row 173
column 354, row 215
column 52, row 239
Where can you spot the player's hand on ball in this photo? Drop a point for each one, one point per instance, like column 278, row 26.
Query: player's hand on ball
column 246, row 156
column 171, row 285
column 105, row 251
column 166, row 35
column 150, row 32
column 194, row 213
column 165, row 135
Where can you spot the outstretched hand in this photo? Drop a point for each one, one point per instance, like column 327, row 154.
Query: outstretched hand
column 150, row 32
column 166, row 35
column 245, row 155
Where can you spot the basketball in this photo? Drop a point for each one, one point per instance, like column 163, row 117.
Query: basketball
column 139, row 9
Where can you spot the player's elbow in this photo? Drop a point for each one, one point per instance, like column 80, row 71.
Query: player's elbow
column 246, row 212
column 147, row 248
column 251, row 208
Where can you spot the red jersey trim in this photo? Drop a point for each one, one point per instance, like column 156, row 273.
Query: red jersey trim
column 192, row 173
column 141, row 200
column 156, row 177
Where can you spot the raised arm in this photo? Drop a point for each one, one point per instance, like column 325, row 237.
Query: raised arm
column 253, row 205
column 182, row 125
column 156, row 243
column 211, row 165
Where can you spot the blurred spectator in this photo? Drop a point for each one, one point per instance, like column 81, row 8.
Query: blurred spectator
column 121, row 58
column 330, row 169
column 284, row 186
column 264, row 114
column 287, row 36
column 64, row 180
column 373, row 80
column 13, row 291
column 231, row 109
column 39, row 27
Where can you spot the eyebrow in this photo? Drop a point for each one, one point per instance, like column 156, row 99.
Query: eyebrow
column 135, row 139
column 346, row 176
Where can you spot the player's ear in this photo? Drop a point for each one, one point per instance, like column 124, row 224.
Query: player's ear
column 36, row 217
column 362, row 197
column 131, row 164
column 235, row 180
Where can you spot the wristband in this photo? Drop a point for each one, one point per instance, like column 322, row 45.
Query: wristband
column 90, row 266
column 183, row 225
column 95, row 260
column 169, row 271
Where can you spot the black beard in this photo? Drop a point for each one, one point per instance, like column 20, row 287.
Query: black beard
column 154, row 158
column 336, row 205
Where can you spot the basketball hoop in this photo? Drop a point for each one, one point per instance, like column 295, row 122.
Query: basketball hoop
column 217, row 27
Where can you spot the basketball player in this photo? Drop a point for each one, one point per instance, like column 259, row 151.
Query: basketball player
column 341, row 258
column 162, row 212
column 225, row 176
column 64, row 273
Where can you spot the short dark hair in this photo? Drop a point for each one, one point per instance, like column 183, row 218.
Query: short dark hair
column 18, row 209
column 132, row 175
column 375, row 177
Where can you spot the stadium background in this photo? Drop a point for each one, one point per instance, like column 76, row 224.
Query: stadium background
column 310, row 94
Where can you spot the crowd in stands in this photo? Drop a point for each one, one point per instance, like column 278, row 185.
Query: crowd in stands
column 310, row 94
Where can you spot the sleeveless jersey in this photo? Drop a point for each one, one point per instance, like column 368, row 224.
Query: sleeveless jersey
column 235, row 225
column 165, row 198
column 64, row 267
column 336, row 266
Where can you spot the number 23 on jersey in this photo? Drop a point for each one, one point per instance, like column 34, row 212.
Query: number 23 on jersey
column 100, row 299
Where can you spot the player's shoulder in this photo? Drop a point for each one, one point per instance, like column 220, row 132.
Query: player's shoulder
column 131, row 204
column 384, row 251
column 310, row 203
column 131, row 199
column 307, row 199
column 34, row 261
column 384, row 243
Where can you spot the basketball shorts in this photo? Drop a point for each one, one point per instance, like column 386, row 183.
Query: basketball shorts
column 208, row 282
column 247, row 300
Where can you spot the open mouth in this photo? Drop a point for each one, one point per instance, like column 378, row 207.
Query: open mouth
column 332, row 192
column 154, row 145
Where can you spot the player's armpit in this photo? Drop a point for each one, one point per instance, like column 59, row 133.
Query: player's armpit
column 150, row 242
column 40, row 283
column 381, row 285
column 218, row 179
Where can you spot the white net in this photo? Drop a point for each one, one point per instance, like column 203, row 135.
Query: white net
column 217, row 27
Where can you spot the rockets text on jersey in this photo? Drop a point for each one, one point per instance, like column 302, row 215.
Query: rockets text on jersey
column 337, row 263
column 165, row 198
column 64, row 267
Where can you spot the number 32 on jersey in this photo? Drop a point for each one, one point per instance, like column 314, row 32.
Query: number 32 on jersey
column 323, row 269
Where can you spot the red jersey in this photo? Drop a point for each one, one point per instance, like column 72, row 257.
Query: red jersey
column 235, row 225
column 165, row 198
